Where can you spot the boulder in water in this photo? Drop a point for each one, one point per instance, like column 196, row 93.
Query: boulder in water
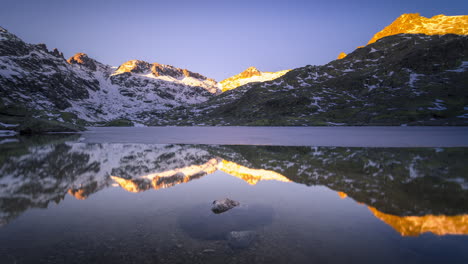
column 221, row 206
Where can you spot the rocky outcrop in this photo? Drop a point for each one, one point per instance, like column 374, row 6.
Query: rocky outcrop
column 417, row 24
column 341, row 56
column 133, row 66
column 84, row 60
column 35, row 78
column 223, row 205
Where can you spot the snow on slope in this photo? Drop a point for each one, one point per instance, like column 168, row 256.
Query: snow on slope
column 33, row 77
column 128, row 91
column 250, row 75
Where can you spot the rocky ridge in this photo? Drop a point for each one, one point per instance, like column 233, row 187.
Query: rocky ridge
column 250, row 75
column 416, row 24
column 405, row 79
column 47, row 86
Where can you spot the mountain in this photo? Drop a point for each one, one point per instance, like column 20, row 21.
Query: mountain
column 413, row 72
column 417, row 24
column 404, row 79
column 250, row 75
column 41, row 83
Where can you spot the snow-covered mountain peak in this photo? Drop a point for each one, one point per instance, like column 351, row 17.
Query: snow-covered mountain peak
column 249, row 72
column 133, row 66
column 5, row 35
column 250, row 75
column 84, row 60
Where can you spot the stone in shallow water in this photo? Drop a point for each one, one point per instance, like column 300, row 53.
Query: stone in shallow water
column 241, row 239
column 200, row 223
column 223, row 205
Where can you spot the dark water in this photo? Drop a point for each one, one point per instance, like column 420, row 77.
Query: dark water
column 66, row 200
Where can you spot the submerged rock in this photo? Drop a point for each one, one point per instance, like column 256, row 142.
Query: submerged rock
column 241, row 239
column 223, row 205
column 200, row 223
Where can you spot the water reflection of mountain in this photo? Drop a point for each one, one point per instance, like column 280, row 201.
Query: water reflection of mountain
column 401, row 181
column 394, row 181
column 417, row 225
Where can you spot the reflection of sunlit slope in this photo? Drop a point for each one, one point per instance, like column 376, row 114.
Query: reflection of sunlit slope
column 78, row 194
column 252, row 176
column 411, row 181
column 128, row 184
column 173, row 177
column 417, row 225
column 342, row 195
column 167, row 178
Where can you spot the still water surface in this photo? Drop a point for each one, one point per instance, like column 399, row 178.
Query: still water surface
column 65, row 200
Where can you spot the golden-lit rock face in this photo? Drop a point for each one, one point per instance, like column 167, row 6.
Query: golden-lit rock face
column 250, row 75
column 157, row 69
column 416, row 24
column 251, row 176
column 417, row 225
column 342, row 55
column 82, row 59
column 171, row 178
column 134, row 66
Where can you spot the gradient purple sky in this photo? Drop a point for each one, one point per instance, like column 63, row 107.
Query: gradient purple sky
column 215, row 38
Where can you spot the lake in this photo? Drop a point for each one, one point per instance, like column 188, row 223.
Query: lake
column 306, row 195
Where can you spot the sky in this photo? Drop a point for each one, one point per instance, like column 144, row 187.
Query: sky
column 215, row 38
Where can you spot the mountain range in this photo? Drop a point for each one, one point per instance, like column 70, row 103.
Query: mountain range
column 413, row 72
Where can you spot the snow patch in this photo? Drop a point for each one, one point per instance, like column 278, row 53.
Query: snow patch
column 463, row 67
column 438, row 105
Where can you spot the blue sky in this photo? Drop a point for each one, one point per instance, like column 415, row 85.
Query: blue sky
column 215, row 38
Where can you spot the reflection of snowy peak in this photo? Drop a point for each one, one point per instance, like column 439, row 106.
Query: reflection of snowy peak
column 48, row 172
column 250, row 75
column 35, row 175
